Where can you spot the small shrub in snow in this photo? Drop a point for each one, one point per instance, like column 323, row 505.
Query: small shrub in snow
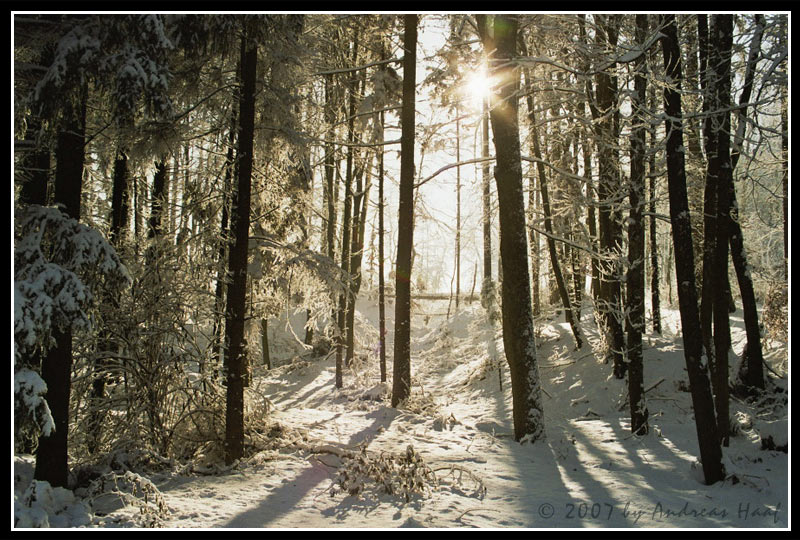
column 404, row 475
column 131, row 489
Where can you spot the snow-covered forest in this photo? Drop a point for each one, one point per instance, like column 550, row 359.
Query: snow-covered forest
column 310, row 270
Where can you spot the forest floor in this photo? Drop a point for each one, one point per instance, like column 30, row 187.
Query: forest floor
column 589, row 472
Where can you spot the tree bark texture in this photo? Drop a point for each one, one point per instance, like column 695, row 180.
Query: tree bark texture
column 401, row 383
column 499, row 40
column 237, row 265
column 697, row 368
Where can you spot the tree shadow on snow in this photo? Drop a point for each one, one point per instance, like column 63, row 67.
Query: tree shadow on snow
column 283, row 500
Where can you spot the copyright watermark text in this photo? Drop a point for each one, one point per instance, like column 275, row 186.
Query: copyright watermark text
column 744, row 513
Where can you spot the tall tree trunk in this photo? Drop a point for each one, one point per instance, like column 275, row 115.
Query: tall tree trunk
column 401, row 384
column 381, row 284
column 458, row 208
column 499, row 43
column 752, row 374
column 710, row 195
column 155, row 222
column 330, row 224
column 702, row 400
column 533, row 238
column 607, row 129
column 360, row 204
column 344, row 299
column 785, row 165
column 237, row 265
column 487, row 286
column 720, row 172
column 655, row 295
column 548, row 224
column 635, row 278
column 231, row 171
column 51, row 456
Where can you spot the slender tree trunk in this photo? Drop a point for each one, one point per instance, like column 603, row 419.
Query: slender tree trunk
column 357, row 249
column 635, row 278
column 401, row 384
column 655, row 295
column 458, row 208
column 487, row 287
column 534, row 247
column 381, row 284
column 236, row 300
column 548, row 224
column 219, row 292
column 330, row 224
column 785, row 150
column 499, row 43
column 119, row 220
column 702, row 400
column 607, row 129
column 347, row 225
column 51, row 456
column 710, row 196
column 719, row 169
column 753, row 373
column 265, row 359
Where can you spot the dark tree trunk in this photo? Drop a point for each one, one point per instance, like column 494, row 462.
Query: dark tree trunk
column 360, row 199
column 381, row 284
column 154, row 224
column 548, row 223
column 587, row 145
column 607, row 131
column 51, row 456
column 347, row 225
column 219, row 292
column 357, row 249
column 499, row 42
column 265, row 359
column 753, row 372
column 635, row 278
column 237, row 260
column 655, row 295
column 721, row 175
column 35, row 167
column 119, row 220
column 330, row 225
column 785, row 150
column 702, row 400
column 591, row 218
column 534, row 246
column 401, row 384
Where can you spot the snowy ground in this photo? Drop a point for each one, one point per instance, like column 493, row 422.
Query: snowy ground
column 590, row 472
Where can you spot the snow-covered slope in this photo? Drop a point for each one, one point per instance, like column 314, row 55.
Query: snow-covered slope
column 589, row 472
